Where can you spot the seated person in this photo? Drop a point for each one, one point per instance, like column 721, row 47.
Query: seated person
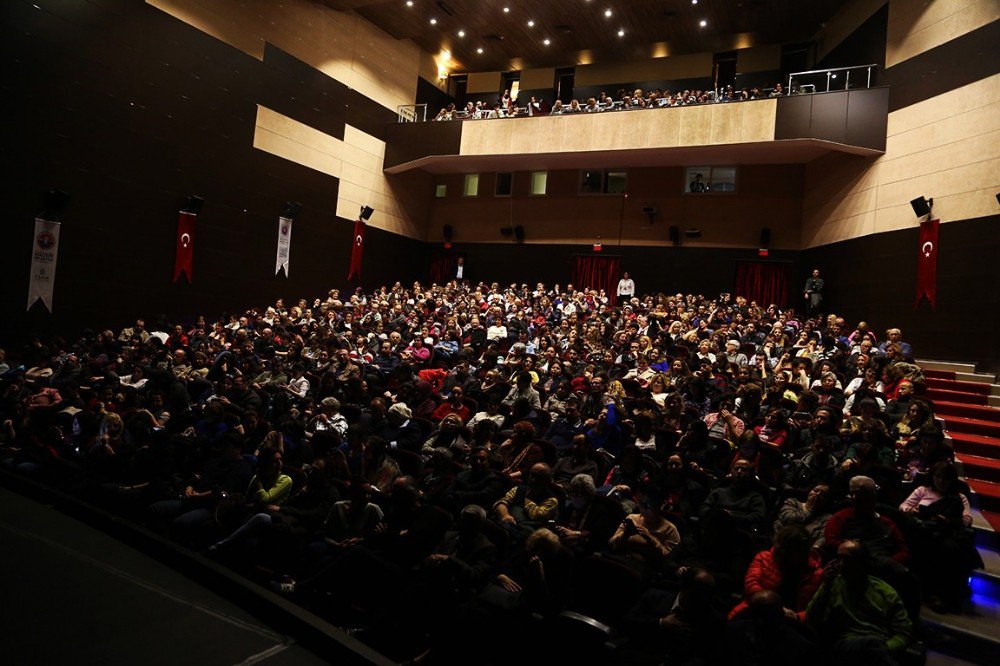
column 477, row 485
column 812, row 513
column 529, row 505
column 789, row 568
column 577, row 462
column 646, row 538
column 586, row 525
column 857, row 615
column 739, row 500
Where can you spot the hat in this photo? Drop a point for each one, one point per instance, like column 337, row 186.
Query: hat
column 401, row 409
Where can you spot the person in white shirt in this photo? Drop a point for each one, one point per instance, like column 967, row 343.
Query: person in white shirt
column 626, row 287
column 497, row 331
column 460, row 269
column 298, row 385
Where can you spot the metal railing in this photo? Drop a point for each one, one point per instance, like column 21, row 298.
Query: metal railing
column 808, row 82
column 412, row 113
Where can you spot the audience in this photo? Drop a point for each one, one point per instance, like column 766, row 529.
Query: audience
column 340, row 447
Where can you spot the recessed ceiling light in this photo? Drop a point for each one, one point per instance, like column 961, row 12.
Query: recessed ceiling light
column 506, row 10
column 694, row 2
column 461, row 33
column 621, row 32
column 479, row 50
column 531, row 24
column 607, row 12
column 546, row 42
column 703, row 23
column 409, row 3
column 434, row 21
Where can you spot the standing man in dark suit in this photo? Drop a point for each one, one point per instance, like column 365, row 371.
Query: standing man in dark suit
column 814, row 292
column 460, row 272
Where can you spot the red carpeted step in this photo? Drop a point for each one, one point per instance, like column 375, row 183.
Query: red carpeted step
column 987, row 495
column 956, row 396
column 945, row 409
column 993, row 519
column 979, row 468
column 939, row 374
column 976, row 445
column 960, row 424
column 953, row 385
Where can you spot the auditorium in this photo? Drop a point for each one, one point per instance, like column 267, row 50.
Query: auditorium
column 617, row 332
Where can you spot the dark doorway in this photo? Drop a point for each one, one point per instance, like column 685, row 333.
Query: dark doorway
column 457, row 88
column 565, row 77
column 725, row 69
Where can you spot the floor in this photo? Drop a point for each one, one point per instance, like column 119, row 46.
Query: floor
column 73, row 595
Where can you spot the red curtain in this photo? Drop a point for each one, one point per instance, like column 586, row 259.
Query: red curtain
column 443, row 267
column 594, row 272
column 765, row 282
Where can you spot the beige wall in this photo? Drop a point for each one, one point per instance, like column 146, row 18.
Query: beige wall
column 690, row 66
column 768, row 196
column 916, row 26
column 946, row 147
column 686, row 126
column 534, row 79
column 483, row 82
column 758, row 59
column 342, row 45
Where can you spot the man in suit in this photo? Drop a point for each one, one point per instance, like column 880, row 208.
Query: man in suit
column 461, row 273
column 814, row 292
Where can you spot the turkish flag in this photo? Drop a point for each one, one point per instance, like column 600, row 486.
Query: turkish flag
column 184, row 255
column 927, row 263
column 358, row 248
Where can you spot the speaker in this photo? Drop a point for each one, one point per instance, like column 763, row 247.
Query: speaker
column 519, row 233
column 765, row 237
column 291, row 209
column 921, row 206
column 675, row 234
column 692, row 233
column 366, row 212
column 447, row 232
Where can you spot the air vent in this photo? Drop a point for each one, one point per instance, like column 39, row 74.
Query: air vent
column 563, row 28
column 495, row 37
column 445, row 8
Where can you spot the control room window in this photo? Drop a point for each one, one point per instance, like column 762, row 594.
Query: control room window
column 539, row 182
column 441, row 191
column 471, row 185
column 607, row 181
column 710, row 180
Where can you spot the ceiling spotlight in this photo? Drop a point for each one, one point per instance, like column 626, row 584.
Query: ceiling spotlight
column 546, row 42
column 409, row 3
column 479, row 50
column 607, row 12
column 621, row 32
column 434, row 21
column 703, row 23
column 461, row 33
column 694, row 2
column 531, row 24
column 506, row 10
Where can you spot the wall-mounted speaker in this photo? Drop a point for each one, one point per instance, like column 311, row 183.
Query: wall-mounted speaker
column 447, row 232
column 366, row 212
column 921, row 206
column 291, row 209
column 194, row 204
column 675, row 234
column 765, row 237
column 519, row 233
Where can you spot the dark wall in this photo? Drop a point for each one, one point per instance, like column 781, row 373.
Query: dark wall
column 406, row 142
column 131, row 111
column 582, row 93
column 435, row 98
column 874, row 279
column 864, row 46
column 665, row 268
column 856, row 117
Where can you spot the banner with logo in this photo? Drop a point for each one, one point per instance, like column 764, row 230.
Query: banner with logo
column 927, row 263
column 284, row 245
column 44, row 255
column 358, row 249
column 184, row 254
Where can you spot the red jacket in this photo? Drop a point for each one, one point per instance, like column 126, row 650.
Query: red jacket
column 764, row 574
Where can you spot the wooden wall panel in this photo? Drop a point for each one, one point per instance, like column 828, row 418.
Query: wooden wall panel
column 916, row 26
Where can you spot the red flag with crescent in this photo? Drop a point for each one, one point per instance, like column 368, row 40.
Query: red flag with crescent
column 357, row 249
column 927, row 263
column 184, row 255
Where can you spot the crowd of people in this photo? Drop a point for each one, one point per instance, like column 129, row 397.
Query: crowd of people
column 623, row 100
column 450, row 468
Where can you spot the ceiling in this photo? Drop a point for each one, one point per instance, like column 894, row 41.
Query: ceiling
column 579, row 32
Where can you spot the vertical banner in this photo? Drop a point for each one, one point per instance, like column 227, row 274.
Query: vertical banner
column 927, row 263
column 358, row 249
column 184, row 255
column 283, row 258
column 44, row 255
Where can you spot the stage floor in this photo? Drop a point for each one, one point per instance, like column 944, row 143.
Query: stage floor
column 74, row 595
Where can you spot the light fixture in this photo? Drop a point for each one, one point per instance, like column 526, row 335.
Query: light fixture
column 703, row 23
column 833, row 76
column 479, row 50
column 607, row 13
column 506, row 10
column 531, row 24
column 621, row 32
column 409, row 3
column 694, row 2
column 546, row 41
column 461, row 33
column 434, row 21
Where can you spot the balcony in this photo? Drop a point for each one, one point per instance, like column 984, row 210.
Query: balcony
column 784, row 130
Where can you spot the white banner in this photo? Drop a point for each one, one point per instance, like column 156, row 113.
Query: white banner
column 284, row 245
column 44, row 254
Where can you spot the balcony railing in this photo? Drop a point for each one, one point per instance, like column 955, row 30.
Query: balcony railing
column 825, row 80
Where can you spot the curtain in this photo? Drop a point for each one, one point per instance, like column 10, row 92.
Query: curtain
column 594, row 272
column 443, row 267
column 765, row 282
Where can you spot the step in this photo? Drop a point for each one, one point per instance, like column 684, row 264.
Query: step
column 964, row 425
column 980, row 468
column 965, row 387
column 965, row 397
column 945, row 408
column 987, row 527
column 973, row 637
column 986, row 581
column 971, row 377
column 976, row 445
column 985, row 495
column 945, row 366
